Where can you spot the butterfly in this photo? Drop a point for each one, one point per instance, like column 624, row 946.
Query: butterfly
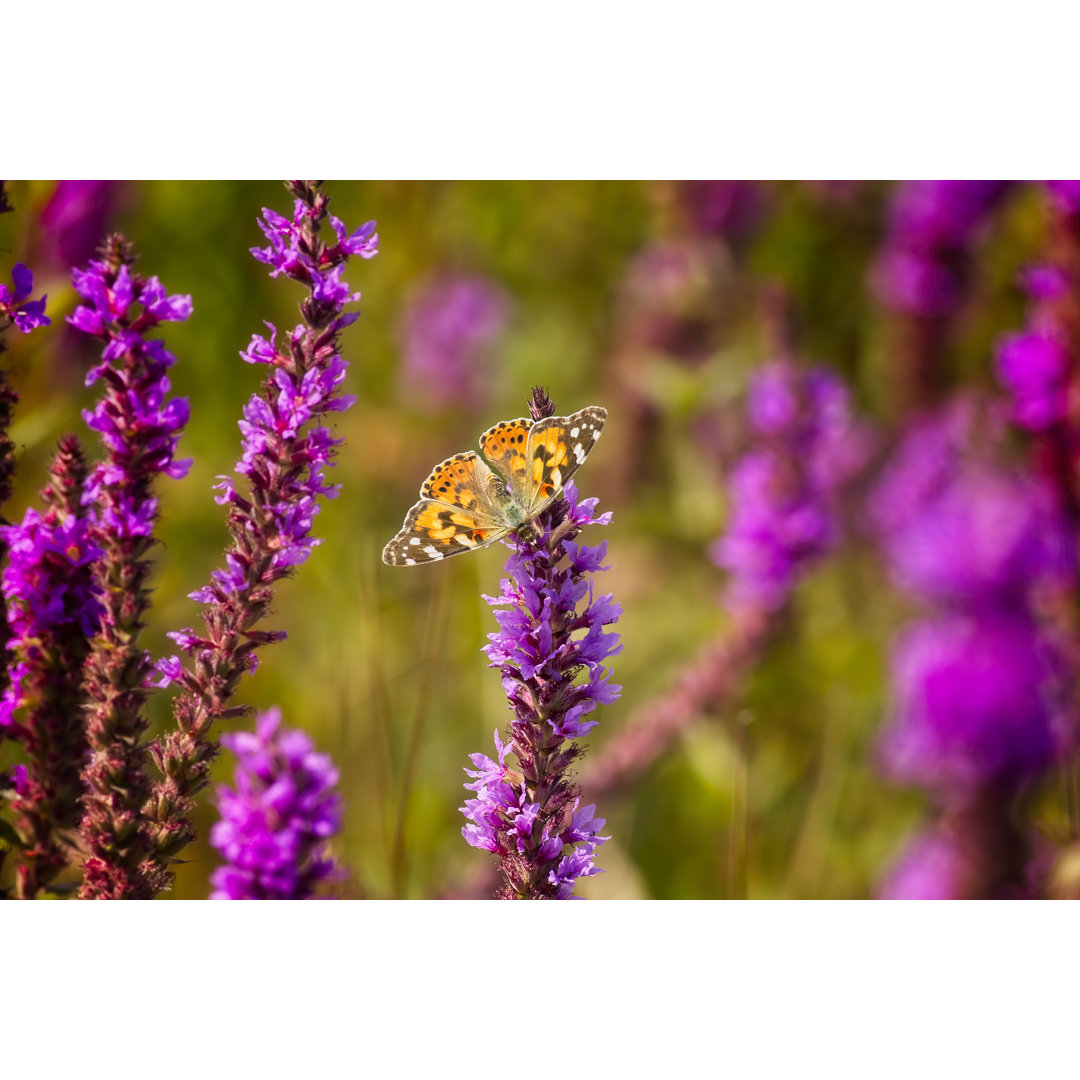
column 472, row 500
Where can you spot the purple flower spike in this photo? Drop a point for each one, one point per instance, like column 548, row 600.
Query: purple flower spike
column 285, row 449
column 15, row 305
column 785, row 489
column 553, row 640
column 278, row 816
column 140, row 428
column 54, row 610
column 923, row 268
column 446, row 332
column 979, row 685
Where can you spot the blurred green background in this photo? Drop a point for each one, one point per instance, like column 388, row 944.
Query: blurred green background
column 615, row 297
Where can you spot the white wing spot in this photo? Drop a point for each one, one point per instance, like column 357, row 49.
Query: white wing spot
column 579, row 452
column 574, row 432
column 415, row 541
column 432, row 553
column 410, row 562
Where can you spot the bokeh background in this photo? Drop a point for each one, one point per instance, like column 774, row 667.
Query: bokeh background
column 657, row 300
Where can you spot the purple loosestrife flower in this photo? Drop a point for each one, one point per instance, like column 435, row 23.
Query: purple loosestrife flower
column 447, row 328
column 550, row 649
column 731, row 209
column 923, row 269
column 1039, row 366
column 977, row 681
column 276, row 819
column 16, row 307
column 286, row 449
column 784, row 490
column 75, row 219
column 54, row 611
column 139, row 427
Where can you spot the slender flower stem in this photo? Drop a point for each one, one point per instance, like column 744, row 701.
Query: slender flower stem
column 286, row 448
column 709, row 681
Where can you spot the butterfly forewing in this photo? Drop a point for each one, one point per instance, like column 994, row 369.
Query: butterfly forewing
column 458, row 511
column 556, row 447
column 506, row 446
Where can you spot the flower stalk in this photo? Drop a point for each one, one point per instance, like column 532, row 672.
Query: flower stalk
column 139, row 428
column 551, row 629
column 286, row 448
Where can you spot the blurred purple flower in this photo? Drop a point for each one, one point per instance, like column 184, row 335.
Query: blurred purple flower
column 728, row 208
column 1035, row 369
column 15, row 305
column 978, row 682
column 529, row 815
column 931, row 868
column 923, row 266
column 277, row 818
column 446, row 331
column 784, row 490
column 973, row 535
column 1066, row 194
column 75, row 220
column 974, row 703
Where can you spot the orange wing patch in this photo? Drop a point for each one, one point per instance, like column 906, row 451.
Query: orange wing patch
column 506, row 447
column 550, row 456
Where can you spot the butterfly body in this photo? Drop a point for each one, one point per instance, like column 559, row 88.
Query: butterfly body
column 472, row 500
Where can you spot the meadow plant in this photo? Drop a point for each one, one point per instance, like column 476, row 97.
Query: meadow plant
column 77, row 580
column 286, row 449
column 551, row 630
column 139, row 428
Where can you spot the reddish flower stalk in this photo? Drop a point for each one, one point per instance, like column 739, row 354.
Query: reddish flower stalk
column 138, row 427
column 710, row 680
column 54, row 611
column 286, row 448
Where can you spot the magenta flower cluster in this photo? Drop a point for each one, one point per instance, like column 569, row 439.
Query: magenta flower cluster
column 530, row 815
column 922, row 269
column 784, row 490
column 123, row 308
column 47, row 584
column 978, row 683
column 446, row 328
column 15, row 303
column 278, row 816
column 1034, row 365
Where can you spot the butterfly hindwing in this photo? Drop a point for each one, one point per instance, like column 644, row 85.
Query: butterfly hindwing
column 458, row 511
column 556, row 447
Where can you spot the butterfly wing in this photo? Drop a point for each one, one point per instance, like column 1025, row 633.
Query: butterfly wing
column 506, row 446
column 458, row 511
column 556, row 446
